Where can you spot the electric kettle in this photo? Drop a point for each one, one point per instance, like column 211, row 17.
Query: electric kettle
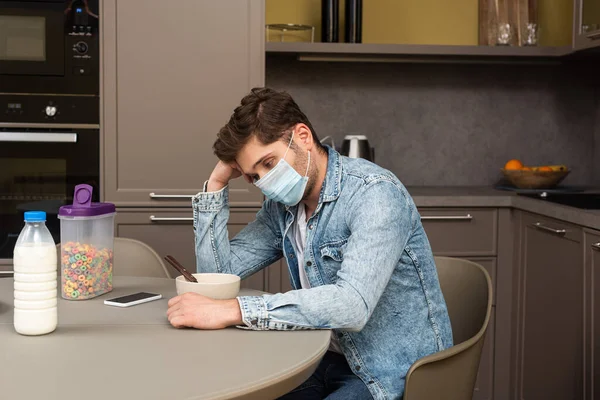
column 357, row 146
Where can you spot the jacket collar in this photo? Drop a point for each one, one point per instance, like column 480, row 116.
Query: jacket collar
column 333, row 178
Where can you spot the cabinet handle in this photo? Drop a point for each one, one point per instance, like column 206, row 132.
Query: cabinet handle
column 158, row 219
column 539, row 226
column 170, row 196
column 596, row 246
column 594, row 36
column 467, row 217
column 38, row 137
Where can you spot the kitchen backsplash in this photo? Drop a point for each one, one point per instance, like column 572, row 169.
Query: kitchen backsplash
column 453, row 124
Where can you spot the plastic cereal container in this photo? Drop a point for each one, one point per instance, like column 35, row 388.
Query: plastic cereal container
column 86, row 242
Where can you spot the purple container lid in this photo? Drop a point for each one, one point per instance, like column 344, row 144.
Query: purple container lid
column 83, row 206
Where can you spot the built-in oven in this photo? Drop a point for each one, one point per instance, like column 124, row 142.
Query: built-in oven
column 39, row 169
column 49, row 110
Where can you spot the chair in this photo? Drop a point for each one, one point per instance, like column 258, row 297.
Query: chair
column 450, row 374
column 134, row 258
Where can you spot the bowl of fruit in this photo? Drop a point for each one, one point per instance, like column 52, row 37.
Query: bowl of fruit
column 534, row 177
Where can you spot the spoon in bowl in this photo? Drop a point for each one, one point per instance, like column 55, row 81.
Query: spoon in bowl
column 189, row 277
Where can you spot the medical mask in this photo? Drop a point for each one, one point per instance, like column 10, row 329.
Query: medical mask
column 283, row 184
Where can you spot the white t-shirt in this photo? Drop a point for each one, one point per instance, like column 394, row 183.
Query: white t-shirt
column 299, row 242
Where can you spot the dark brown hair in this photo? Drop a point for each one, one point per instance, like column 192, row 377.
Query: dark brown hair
column 266, row 113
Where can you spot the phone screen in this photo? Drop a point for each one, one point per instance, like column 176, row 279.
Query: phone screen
column 132, row 297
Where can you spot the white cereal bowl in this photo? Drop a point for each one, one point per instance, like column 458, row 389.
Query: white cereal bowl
column 213, row 285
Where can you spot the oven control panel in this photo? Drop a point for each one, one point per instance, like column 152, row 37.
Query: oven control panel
column 82, row 39
column 44, row 109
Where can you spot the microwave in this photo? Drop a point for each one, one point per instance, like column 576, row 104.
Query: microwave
column 49, row 46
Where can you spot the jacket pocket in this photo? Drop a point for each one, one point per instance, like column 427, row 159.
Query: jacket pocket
column 334, row 250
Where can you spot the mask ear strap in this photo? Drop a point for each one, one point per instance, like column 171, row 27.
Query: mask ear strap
column 289, row 145
column 307, row 164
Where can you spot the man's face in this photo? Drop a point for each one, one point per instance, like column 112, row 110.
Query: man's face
column 257, row 159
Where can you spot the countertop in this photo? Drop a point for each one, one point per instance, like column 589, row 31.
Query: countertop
column 479, row 196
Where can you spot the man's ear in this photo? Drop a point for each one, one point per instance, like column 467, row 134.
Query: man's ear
column 304, row 136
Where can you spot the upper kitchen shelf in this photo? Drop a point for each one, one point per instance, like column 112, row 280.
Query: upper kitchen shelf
column 367, row 52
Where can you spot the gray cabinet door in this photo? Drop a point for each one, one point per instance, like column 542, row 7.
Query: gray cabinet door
column 167, row 232
column 550, row 303
column 461, row 232
column 592, row 315
column 170, row 232
column 586, row 27
column 172, row 74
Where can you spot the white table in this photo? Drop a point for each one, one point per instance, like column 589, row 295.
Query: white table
column 103, row 352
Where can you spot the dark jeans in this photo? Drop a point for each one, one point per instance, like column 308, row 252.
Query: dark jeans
column 333, row 380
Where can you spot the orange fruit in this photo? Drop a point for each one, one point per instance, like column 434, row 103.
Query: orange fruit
column 513, row 164
column 544, row 168
column 526, row 169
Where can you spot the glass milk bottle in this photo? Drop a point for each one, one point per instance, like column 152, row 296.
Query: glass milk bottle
column 35, row 277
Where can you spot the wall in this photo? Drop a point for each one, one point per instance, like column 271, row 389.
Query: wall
column 422, row 21
column 435, row 124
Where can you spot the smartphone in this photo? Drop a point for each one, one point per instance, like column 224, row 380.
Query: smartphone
column 132, row 299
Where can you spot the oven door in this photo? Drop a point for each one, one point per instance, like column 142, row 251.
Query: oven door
column 32, row 37
column 39, row 170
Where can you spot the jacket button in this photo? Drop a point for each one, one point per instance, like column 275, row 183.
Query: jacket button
column 357, row 367
column 291, row 256
column 371, row 382
column 310, row 226
column 308, row 263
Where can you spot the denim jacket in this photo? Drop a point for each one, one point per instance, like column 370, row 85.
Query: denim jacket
column 370, row 266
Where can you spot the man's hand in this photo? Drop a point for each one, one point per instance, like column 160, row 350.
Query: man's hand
column 222, row 174
column 196, row 311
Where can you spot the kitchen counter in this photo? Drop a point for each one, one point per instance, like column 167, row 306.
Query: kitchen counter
column 478, row 196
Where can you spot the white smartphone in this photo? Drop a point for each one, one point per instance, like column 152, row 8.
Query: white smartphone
column 132, row 299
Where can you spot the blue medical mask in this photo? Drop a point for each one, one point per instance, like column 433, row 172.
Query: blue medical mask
column 283, row 184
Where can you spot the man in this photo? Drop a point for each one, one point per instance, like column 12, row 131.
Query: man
column 359, row 259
